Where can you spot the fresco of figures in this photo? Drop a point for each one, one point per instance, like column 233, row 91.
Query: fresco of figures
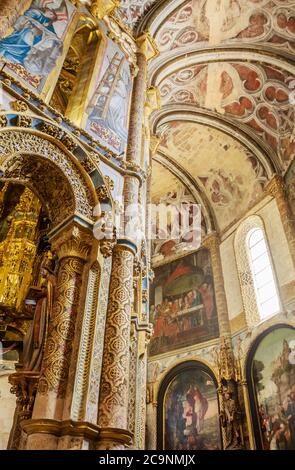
column 107, row 111
column 182, row 303
column 273, row 372
column 191, row 417
column 32, row 48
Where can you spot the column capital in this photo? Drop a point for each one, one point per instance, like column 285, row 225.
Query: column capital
column 275, row 186
column 147, row 46
column 101, row 8
column 72, row 241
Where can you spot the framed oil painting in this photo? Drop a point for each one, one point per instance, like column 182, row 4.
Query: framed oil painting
column 271, row 373
column 188, row 410
column 182, row 303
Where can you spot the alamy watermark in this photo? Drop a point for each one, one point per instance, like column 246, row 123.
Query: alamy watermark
column 181, row 222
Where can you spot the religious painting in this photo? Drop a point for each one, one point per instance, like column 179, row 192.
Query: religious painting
column 108, row 109
column 182, row 303
column 31, row 49
column 190, row 412
column 272, row 370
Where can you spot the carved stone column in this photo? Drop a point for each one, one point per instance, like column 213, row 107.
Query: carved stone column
column 114, row 389
column 73, row 249
column 276, row 189
column 212, row 244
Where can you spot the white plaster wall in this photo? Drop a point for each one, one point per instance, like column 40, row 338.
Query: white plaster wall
column 231, row 278
column 7, row 407
column 277, row 242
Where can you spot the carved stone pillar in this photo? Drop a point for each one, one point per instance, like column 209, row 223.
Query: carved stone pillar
column 212, row 244
column 276, row 189
column 73, row 249
column 24, row 386
column 114, row 389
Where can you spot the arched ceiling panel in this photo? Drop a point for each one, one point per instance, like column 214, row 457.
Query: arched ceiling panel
column 231, row 177
column 215, row 22
column 257, row 95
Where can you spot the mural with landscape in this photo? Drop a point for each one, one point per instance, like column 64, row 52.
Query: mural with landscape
column 273, row 372
column 191, row 416
column 31, row 49
column 182, row 303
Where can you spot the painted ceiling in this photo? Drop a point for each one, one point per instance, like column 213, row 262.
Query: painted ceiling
column 219, row 21
column 230, row 176
column 226, row 77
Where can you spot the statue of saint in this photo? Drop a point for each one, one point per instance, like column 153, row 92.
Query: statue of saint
column 230, row 420
column 35, row 339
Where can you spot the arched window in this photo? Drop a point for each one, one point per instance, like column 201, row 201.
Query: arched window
column 256, row 274
column 263, row 277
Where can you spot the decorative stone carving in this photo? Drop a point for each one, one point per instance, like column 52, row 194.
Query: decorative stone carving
column 24, row 386
column 109, row 183
column 19, row 106
column 101, row 8
column 73, row 249
column 3, row 121
column 15, row 142
column 102, row 193
column 24, row 121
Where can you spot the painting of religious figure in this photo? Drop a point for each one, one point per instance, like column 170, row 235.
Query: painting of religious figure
column 273, row 375
column 107, row 112
column 190, row 412
column 182, row 303
column 32, row 48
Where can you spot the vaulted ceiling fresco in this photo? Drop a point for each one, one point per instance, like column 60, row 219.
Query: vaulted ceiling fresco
column 226, row 77
column 219, row 21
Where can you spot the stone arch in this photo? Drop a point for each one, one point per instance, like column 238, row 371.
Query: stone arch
column 60, row 183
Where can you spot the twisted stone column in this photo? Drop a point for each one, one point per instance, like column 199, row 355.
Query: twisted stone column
column 72, row 249
column 276, row 189
column 212, row 244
